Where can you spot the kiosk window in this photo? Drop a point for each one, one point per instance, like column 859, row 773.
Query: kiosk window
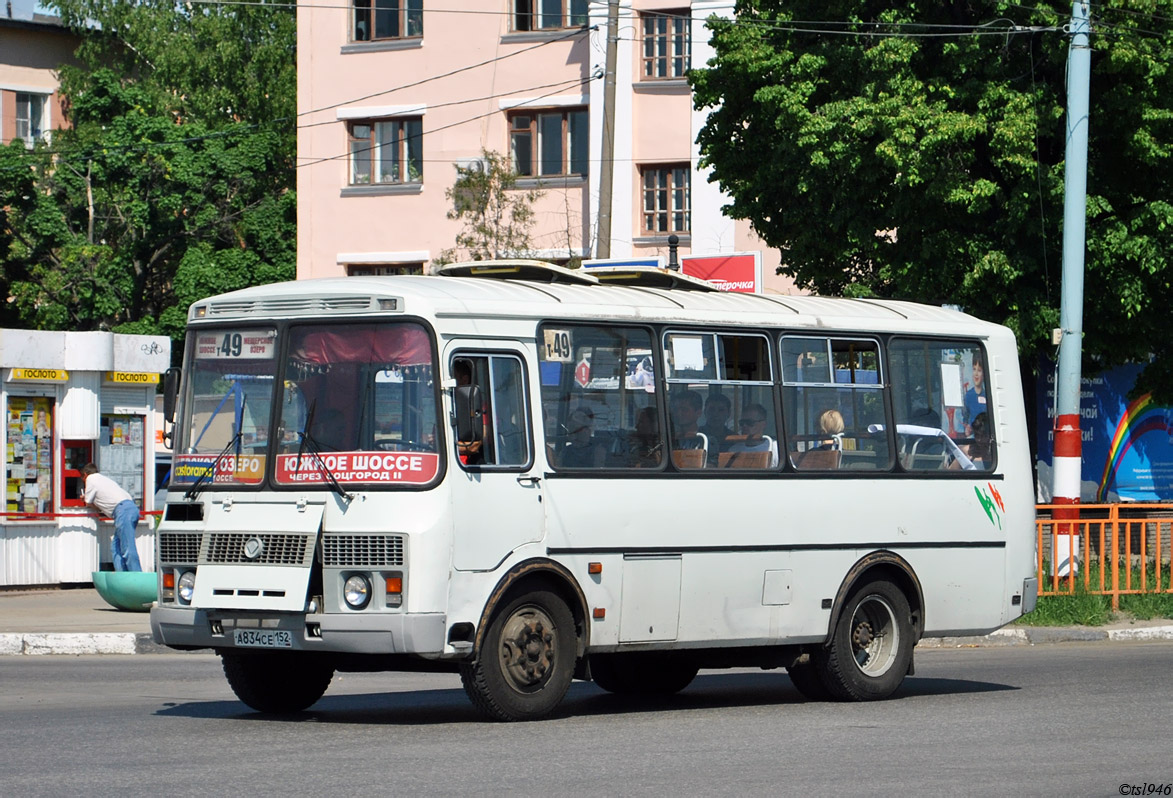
column 29, row 455
column 121, row 448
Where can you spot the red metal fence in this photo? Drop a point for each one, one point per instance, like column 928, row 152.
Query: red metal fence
column 1122, row 549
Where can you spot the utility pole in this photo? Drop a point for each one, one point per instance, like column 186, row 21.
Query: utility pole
column 607, row 167
column 1068, row 460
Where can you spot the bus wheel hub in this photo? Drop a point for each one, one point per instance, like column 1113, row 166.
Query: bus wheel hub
column 527, row 648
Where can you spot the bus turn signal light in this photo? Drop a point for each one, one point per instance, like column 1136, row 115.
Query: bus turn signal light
column 594, row 568
column 599, row 613
column 394, row 584
column 168, row 580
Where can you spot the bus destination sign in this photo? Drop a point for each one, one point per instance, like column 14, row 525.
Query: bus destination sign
column 236, row 345
column 413, row 468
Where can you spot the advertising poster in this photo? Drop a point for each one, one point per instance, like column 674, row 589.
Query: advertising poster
column 1127, row 443
column 737, row 271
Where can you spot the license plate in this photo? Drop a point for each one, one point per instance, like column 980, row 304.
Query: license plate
column 262, row 638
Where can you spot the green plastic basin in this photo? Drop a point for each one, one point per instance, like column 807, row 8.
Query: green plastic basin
column 134, row 591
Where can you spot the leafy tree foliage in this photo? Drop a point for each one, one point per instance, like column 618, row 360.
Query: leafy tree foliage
column 496, row 217
column 916, row 149
column 175, row 180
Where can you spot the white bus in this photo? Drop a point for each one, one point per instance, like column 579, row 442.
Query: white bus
column 529, row 475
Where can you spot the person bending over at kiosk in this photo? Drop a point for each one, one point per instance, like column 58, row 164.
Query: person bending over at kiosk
column 107, row 497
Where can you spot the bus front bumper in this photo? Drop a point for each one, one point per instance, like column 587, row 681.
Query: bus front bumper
column 352, row 633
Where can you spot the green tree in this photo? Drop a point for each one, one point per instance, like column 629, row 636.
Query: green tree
column 497, row 216
column 175, row 179
column 916, row 150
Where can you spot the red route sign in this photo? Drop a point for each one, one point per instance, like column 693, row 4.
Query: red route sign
column 582, row 373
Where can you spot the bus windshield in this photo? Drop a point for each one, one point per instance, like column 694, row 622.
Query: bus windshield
column 362, row 397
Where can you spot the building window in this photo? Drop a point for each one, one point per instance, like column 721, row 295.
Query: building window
column 386, row 152
column 549, row 143
column 383, row 270
column 31, row 116
column 666, row 45
column 666, row 199
column 531, row 15
column 387, row 19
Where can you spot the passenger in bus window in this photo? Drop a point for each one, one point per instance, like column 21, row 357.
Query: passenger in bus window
column 469, row 451
column 981, row 448
column 645, row 448
column 975, row 397
column 717, row 428
column 581, row 450
column 753, row 427
column 831, row 425
column 686, row 413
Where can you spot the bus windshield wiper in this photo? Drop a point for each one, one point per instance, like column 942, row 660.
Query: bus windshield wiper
column 196, row 486
column 309, row 443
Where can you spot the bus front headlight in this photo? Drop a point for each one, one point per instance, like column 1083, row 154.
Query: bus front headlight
column 357, row 591
column 186, row 586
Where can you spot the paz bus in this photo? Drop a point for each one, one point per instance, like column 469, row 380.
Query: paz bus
column 529, row 475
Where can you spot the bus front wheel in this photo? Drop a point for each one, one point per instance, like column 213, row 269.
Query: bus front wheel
column 276, row 682
column 871, row 647
column 526, row 663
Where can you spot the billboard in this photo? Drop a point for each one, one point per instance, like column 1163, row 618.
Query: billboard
column 735, row 271
column 1127, row 443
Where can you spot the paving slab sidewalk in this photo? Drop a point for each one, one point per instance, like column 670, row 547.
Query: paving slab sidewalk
column 76, row 620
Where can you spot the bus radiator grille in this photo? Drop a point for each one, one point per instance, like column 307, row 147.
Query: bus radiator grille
column 278, row 549
column 179, row 547
column 371, row 551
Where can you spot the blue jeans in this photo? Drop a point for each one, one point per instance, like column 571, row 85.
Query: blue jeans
column 122, row 548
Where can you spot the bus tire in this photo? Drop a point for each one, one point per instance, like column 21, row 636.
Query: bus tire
column 526, row 663
column 278, row 683
column 871, row 647
column 641, row 674
column 807, row 677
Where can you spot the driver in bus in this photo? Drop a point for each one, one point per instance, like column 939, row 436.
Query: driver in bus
column 329, row 431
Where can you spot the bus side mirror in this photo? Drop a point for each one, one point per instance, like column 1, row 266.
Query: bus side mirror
column 469, row 424
column 170, row 392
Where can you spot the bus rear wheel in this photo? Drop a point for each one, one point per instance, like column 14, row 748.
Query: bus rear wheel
column 871, row 647
column 641, row 674
column 526, row 663
column 276, row 682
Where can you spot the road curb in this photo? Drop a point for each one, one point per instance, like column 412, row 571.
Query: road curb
column 1040, row 635
column 78, row 643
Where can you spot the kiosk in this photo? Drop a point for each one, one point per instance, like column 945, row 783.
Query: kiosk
column 69, row 398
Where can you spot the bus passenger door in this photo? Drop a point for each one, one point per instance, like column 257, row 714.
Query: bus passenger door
column 495, row 483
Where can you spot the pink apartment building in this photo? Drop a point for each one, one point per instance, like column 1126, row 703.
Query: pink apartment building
column 32, row 47
column 393, row 94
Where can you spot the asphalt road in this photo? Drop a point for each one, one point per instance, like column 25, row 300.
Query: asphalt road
column 1065, row 719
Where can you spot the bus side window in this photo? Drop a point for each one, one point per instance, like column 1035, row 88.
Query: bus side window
column 939, row 396
column 834, row 404
column 492, row 428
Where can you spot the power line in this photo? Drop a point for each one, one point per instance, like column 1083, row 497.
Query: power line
column 422, row 81
column 793, row 26
column 430, row 131
column 431, row 106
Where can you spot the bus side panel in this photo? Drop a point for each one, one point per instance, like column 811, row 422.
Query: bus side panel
column 1016, row 492
column 760, row 556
